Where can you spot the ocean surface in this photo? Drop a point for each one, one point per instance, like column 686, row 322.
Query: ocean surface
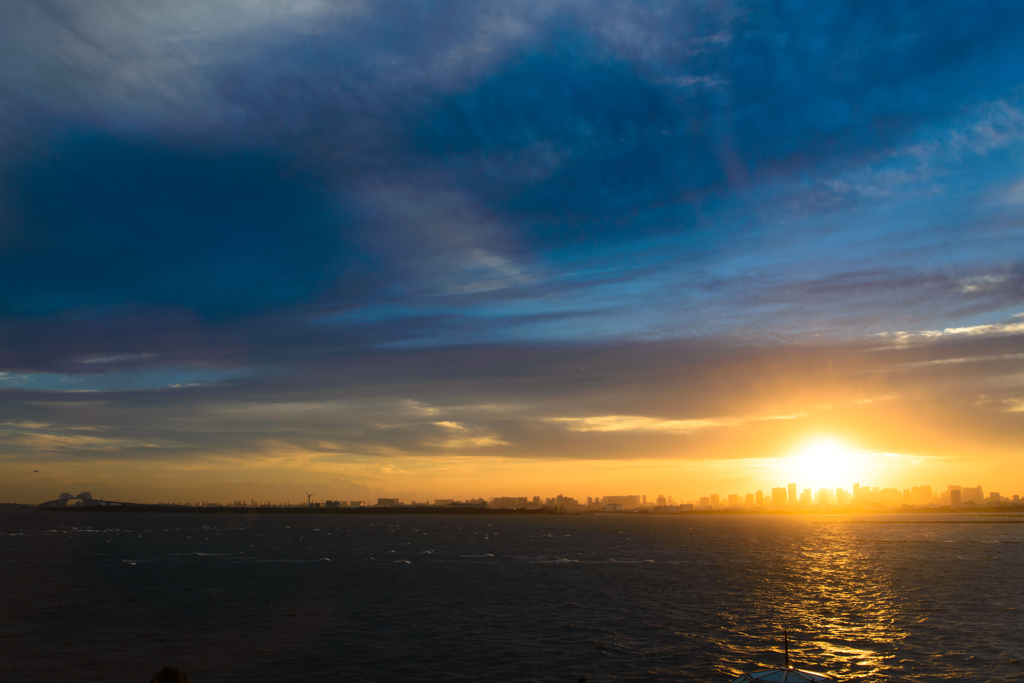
column 114, row 597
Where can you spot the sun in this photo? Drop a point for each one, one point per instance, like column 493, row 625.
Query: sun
column 825, row 462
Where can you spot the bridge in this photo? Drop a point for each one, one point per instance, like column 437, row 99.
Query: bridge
column 84, row 500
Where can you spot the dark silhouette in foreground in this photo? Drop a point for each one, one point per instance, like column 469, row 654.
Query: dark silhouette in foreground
column 169, row 674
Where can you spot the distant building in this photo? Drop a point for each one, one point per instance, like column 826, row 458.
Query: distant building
column 356, row 504
column 779, row 496
column 715, row 500
column 686, row 507
column 840, row 497
column 750, row 499
column 972, row 494
column 925, row 496
column 956, row 497
column 823, row 497
column 792, row 494
column 509, row 503
column 660, row 501
column 705, row 501
column 627, row 502
column 612, row 507
column 759, row 497
column 443, row 502
column 806, row 498
column 568, row 503
column 734, row 500
column 890, row 497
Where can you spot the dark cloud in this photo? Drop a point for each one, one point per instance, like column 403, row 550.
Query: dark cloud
column 111, row 222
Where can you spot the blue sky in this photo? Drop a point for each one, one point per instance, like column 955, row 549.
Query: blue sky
column 202, row 199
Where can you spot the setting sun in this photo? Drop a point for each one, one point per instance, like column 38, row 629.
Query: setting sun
column 826, row 462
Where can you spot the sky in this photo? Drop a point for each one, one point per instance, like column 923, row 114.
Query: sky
column 454, row 249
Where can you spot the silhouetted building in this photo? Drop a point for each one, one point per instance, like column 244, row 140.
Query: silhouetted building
column 779, row 495
column 926, row 496
column 509, row 503
column 972, row 494
column 627, row 502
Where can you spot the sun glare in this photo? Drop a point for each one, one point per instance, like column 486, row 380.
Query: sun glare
column 825, row 463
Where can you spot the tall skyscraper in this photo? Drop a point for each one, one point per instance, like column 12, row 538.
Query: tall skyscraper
column 778, row 495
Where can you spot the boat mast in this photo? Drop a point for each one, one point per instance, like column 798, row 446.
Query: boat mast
column 785, row 636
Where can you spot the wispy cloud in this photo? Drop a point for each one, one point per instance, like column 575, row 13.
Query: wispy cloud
column 629, row 423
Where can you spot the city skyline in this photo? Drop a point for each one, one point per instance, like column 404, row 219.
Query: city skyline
column 790, row 496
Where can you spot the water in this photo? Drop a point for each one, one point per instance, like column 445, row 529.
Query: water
column 113, row 597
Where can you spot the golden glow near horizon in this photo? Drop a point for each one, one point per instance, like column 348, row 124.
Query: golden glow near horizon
column 416, row 451
column 826, row 462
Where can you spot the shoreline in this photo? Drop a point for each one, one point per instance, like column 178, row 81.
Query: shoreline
column 1009, row 513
